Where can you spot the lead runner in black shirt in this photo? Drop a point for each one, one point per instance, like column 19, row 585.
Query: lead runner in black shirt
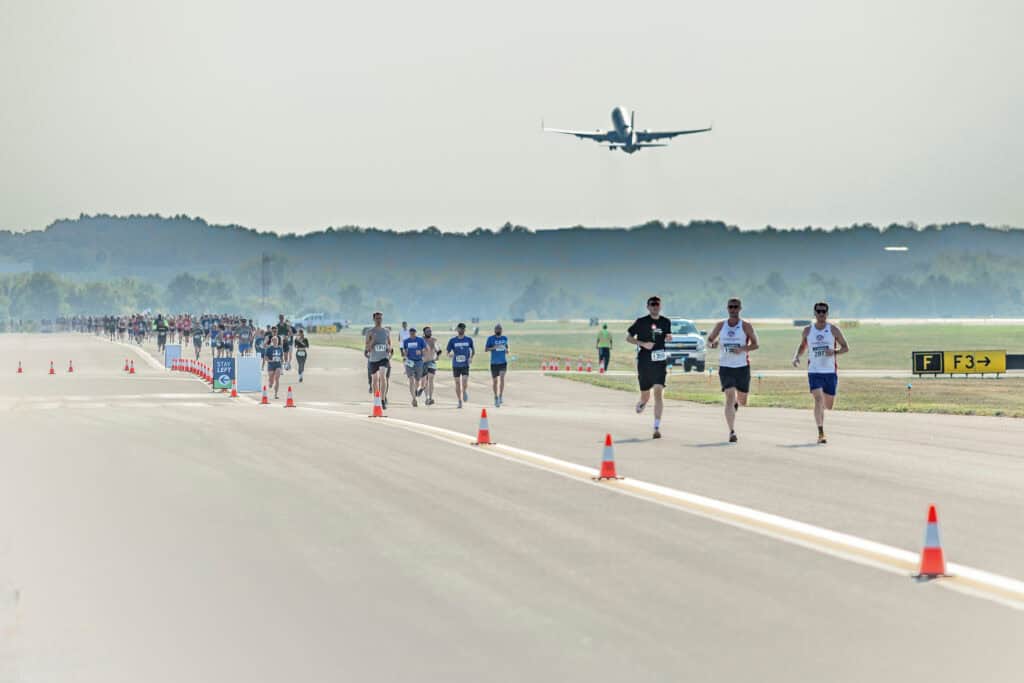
column 650, row 333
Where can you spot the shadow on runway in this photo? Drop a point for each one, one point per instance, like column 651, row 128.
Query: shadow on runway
column 798, row 445
column 714, row 444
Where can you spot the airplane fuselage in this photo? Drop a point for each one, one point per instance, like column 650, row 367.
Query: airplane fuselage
column 622, row 124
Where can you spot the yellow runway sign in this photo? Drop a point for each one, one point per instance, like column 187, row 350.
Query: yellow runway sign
column 959, row 362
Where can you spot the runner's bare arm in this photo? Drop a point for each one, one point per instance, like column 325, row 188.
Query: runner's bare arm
column 843, row 346
column 803, row 345
column 752, row 342
column 713, row 337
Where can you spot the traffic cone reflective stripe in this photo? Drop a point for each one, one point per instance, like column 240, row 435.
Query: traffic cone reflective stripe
column 483, row 435
column 52, row 372
column 264, row 401
column 608, row 460
column 378, row 409
column 933, row 563
column 289, row 403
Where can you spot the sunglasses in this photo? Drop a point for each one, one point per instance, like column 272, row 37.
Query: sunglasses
column 734, row 306
column 654, row 304
column 821, row 310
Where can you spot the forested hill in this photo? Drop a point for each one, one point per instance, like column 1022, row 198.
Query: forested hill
column 956, row 269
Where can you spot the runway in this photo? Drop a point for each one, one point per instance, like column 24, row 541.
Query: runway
column 152, row 530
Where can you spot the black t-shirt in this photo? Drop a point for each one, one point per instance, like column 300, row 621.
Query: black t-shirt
column 647, row 329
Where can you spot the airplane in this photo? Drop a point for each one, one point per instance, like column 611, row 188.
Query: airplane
column 624, row 136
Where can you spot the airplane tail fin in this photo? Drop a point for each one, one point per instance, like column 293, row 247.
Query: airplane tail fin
column 632, row 120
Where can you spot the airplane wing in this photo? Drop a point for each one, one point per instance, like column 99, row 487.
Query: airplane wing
column 597, row 135
column 649, row 135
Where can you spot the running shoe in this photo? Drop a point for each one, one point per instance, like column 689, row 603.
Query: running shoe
column 496, row 402
column 821, row 438
column 419, row 391
column 460, row 404
column 414, row 404
column 640, row 407
column 732, row 437
column 300, row 378
column 465, row 396
column 384, row 403
column 656, row 435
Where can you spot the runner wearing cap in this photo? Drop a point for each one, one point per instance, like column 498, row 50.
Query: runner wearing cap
column 650, row 333
column 821, row 339
column 737, row 339
column 460, row 350
column 497, row 345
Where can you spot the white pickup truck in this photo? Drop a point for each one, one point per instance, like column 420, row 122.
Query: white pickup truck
column 687, row 346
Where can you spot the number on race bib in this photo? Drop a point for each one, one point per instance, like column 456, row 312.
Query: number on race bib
column 380, row 348
column 460, row 359
column 659, row 355
column 409, row 363
column 819, row 351
column 499, row 347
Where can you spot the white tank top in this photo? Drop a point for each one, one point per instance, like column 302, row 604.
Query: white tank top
column 732, row 338
column 817, row 343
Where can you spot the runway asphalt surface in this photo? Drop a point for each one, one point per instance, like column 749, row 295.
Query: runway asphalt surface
column 151, row 530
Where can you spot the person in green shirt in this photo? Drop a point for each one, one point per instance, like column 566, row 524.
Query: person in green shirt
column 604, row 347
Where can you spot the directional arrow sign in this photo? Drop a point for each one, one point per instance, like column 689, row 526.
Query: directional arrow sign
column 973, row 362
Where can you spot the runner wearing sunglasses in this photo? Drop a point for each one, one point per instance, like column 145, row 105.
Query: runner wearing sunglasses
column 821, row 340
column 737, row 339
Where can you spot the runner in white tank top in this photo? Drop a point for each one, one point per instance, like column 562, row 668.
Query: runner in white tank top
column 821, row 340
column 736, row 339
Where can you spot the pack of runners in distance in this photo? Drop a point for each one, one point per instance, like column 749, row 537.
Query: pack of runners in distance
column 419, row 360
column 735, row 338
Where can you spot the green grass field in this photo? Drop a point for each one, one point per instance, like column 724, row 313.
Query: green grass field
column 1000, row 397
column 873, row 346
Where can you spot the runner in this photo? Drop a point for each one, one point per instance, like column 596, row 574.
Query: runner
column 274, row 356
column 403, row 333
column 378, row 352
column 460, row 350
column 412, row 352
column 245, row 332
column 161, row 333
column 301, row 351
column 650, row 333
column 604, row 348
column 431, row 353
column 737, row 339
column 497, row 345
column 821, row 339
column 197, row 340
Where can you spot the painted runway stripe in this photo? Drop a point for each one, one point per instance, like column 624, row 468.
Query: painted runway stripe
column 964, row 579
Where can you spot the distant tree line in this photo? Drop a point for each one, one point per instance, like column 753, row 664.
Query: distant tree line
column 97, row 264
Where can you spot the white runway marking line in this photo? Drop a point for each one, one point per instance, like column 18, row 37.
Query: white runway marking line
column 964, row 579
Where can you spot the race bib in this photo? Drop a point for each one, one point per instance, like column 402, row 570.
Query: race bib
column 659, row 355
column 732, row 348
column 301, row 353
column 431, row 365
column 460, row 359
column 409, row 363
column 820, row 351
column 380, row 348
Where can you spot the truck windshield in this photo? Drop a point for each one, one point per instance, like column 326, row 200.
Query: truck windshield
column 683, row 327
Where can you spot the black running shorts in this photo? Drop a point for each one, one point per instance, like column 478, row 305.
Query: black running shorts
column 735, row 378
column 649, row 373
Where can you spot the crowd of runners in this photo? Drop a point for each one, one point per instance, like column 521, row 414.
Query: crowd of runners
column 280, row 343
column 734, row 338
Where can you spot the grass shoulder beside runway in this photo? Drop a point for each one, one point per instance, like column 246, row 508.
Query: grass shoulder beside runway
column 873, row 346
column 1002, row 397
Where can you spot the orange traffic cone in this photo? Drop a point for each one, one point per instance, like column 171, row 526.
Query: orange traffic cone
column 126, row 365
column 933, row 564
column 71, row 367
column 234, row 389
column 607, row 461
column 543, row 365
column 378, row 409
column 289, row 402
column 568, row 365
column 579, row 366
column 600, row 370
column 483, row 435
column 52, row 372
column 264, row 401
column 20, row 371
column 590, row 368
column 131, row 368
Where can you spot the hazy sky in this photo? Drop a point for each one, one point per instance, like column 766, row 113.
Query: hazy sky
column 293, row 116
